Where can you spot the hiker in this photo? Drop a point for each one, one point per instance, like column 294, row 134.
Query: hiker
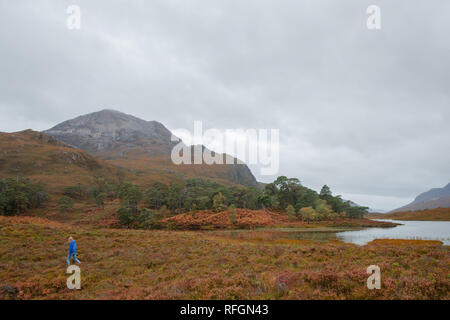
column 72, row 251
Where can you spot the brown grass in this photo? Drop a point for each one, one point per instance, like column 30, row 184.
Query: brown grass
column 136, row 264
column 246, row 218
column 405, row 242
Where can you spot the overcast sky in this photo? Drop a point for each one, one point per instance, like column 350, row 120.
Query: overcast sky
column 364, row 111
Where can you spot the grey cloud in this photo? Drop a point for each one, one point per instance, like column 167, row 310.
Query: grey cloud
column 363, row 111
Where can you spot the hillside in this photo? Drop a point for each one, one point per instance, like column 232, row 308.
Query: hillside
column 46, row 160
column 139, row 145
column 431, row 199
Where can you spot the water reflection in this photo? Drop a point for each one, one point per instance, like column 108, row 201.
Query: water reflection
column 414, row 230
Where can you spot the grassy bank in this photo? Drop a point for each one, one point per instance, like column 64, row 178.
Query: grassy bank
column 438, row 214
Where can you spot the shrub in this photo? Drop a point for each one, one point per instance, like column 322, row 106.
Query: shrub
column 130, row 196
column 18, row 195
column 290, row 211
column 163, row 211
column 65, row 204
column 307, row 214
column 93, row 191
column 156, row 196
column 100, row 200
column 125, row 216
column 219, row 202
column 148, row 219
column 74, row 192
column 323, row 210
column 232, row 213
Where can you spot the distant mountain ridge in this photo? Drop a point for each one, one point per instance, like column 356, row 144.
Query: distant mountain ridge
column 370, row 210
column 431, row 199
column 433, row 194
column 140, row 145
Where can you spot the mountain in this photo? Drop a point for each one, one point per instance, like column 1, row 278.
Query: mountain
column 434, row 194
column 142, row 146
column 110, row 133
column 44, row 159
column 431, row 199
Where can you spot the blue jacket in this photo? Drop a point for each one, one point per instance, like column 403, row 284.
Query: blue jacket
column 72, row 247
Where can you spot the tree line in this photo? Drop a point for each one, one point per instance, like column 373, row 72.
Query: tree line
column 286, row 195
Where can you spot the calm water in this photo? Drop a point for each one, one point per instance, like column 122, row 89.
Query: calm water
column 415, row 230
column 423, row 230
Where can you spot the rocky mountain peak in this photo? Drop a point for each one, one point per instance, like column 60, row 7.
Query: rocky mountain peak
column 107, row 129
